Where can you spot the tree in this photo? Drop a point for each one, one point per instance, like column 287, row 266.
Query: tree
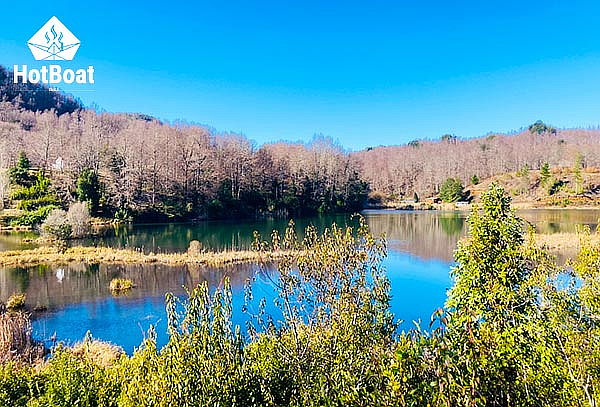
column 78, row 217
column 474, row 180
column 451, row 190
column 577, row 172
column 20, row 173
column 57, row 228
column 449, row 138
column 545, row 173
column 539, row 128
column 88, row 189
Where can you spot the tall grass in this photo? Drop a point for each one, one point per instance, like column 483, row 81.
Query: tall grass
column 16, row 341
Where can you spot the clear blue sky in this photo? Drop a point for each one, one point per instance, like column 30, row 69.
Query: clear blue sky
column 363, row 72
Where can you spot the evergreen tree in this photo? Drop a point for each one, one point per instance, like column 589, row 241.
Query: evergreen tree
column 451, row 190
column 89, row 189
column 545, row 173
column 20, row 173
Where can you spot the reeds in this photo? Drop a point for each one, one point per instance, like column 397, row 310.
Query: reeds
column 16, row 342
column 52, row 255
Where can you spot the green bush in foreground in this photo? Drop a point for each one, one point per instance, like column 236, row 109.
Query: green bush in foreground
column 517, row 330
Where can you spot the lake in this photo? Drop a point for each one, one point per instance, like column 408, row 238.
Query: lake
column 78, row 299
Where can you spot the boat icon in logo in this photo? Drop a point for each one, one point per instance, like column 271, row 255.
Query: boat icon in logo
column 53, row 42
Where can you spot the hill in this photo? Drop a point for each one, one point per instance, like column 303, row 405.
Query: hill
column 35, row 97
column 422, row 166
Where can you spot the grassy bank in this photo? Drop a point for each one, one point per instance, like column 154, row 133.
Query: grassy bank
column 45, row 255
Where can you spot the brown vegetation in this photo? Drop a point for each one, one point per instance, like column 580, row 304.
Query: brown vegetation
column 52, row 255
column 16, row 342
column 399, row 171
column 152, row 169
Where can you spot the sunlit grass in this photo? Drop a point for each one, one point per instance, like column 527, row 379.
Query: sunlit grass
column 52, row 255
column 121, row 284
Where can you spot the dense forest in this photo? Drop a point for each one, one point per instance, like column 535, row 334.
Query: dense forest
column 136, row 166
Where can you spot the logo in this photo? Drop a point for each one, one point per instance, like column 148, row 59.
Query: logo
column 53, row 42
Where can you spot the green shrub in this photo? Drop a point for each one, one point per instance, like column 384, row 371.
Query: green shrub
column 516, row 330
column 32, row 204
column 17, row 384
column 33, row 217
column 73, row 380
column 19, row 174
column 451, row 190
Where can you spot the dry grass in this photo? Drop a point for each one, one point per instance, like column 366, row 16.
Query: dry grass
column 102, row 353
column 121, row 284
column 51, row 255
column 16, row 342
column 16, row 302
column 564, row 241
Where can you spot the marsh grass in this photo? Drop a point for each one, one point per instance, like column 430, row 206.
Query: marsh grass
column 16, row 302
column 16, row 341
column 53, row 255
column 121, row 284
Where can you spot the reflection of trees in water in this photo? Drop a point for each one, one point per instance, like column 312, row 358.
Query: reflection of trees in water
column 54, row 286
column 560, row 220
column 14, row 240
column 215, row 235
column 425, row 234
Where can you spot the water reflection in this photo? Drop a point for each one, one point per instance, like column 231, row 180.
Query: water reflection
column 55, row 286
column 78, row 298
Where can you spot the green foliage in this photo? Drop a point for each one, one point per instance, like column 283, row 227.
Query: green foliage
column 35, row 217
column 449, row 138
column 491, row 263
column 414, row 143
column 74, row 380
column 475, row 180
column 19, row 174
column 36, row 200
column 539, row 128
column 32, row 204
column 16, row 384
column 523, row 172
column 516, row 330
column 39, row 189
column 451, row 190
column 89, row 189
column 545, row 174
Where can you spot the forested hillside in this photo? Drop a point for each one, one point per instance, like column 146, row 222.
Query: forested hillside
column 422, row 166
column 137, row 166
column 34, row 97
column 133, row 165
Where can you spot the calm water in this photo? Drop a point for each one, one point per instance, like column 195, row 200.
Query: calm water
column 78, row 299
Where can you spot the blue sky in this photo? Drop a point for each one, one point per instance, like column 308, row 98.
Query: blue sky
column 365, row 73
